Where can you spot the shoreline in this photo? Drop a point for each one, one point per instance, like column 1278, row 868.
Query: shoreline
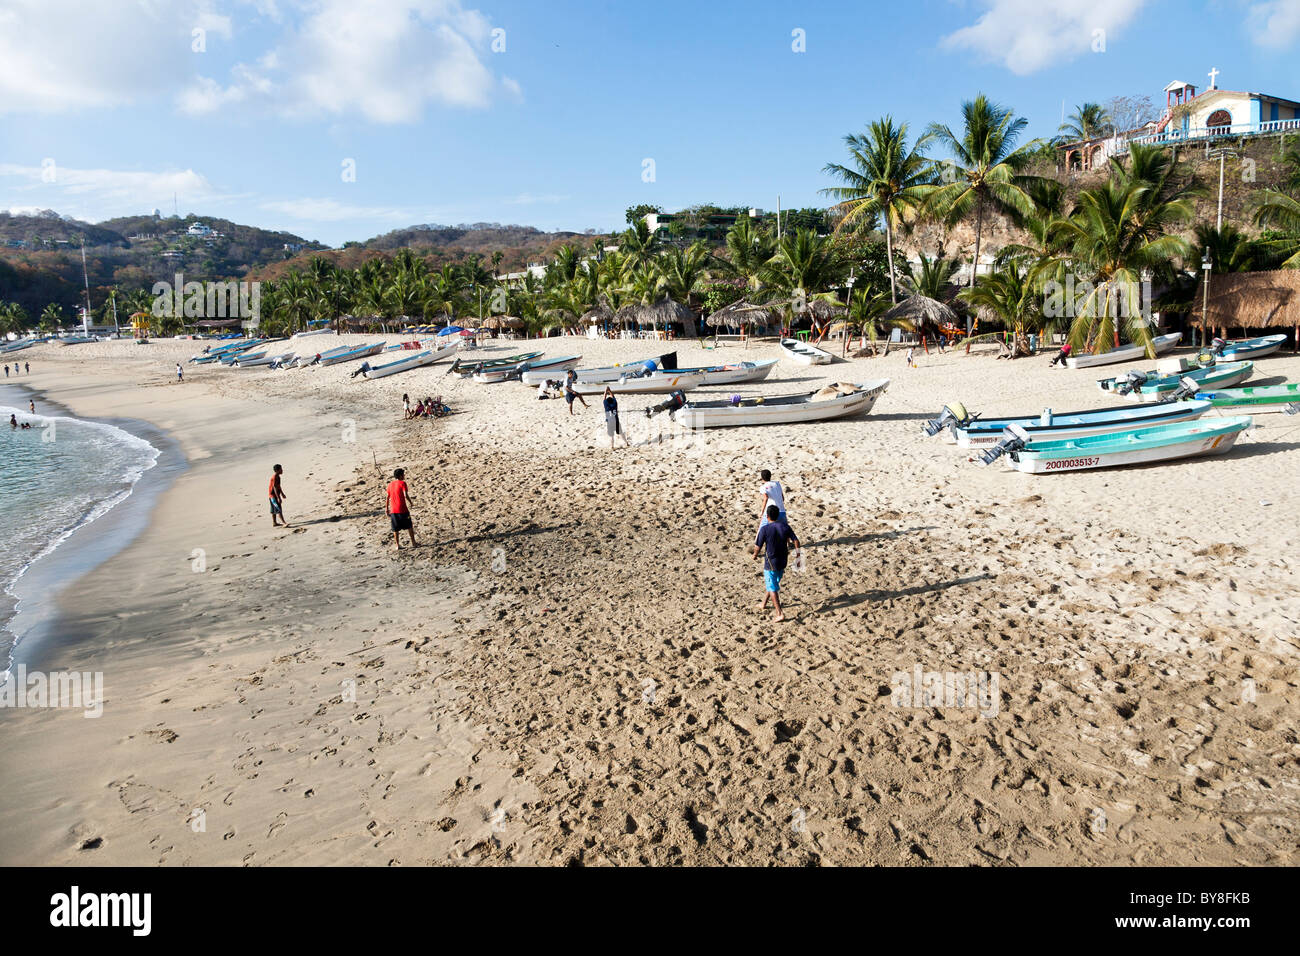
column 570, row 669
column 38, row 588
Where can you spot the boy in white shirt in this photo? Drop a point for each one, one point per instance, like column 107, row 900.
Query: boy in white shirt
column 771, row 493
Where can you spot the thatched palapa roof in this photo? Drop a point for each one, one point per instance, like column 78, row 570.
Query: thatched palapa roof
column 601, row 314
column 921, row 310
column 1250, row 300
column 741, row 313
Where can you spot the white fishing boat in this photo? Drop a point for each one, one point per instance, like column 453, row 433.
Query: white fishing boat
column 404, row 364
column 304, row 334
column 253, row 361
column 1248, row 348
column 352, row 354
column 733, row 374
column 644, row 385
column 1205, row 436
column 834, row 401
column 1125, row 353
column 505, row 373
column 609, row 373
column 805, row 354
column 1155, row 387
column 968, row 431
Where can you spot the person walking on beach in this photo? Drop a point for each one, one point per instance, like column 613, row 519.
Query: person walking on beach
column 774, row 540
column 911, row 357
column 31, row 405
column 1061, row 356
column 570, row 393
column 612, row 426
column 406, row 404
column 6, row 371
column 399, row 508
column 180, row 373
column 277, row 496
column 771, row 493
column 27, row 368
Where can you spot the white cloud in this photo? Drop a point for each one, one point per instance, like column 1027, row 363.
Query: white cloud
column 331, row 210
column 1275, row 24
column 58, row 55
column 529, row 199
column 386, row 60
column 96, row 194
column 1028, row 35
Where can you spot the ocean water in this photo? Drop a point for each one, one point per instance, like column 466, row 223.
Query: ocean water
column 55, row 478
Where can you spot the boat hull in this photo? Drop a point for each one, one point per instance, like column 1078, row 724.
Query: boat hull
column 778, row 411
column 352, row 355
column 649, row 385
column 418, row 360
column 1121, row 419
column 1260, row 400
column 1127, row 353
column 1217, row 376
column 1252, row 348
column 506, row 373
column 1134, row 447
column 797, row 351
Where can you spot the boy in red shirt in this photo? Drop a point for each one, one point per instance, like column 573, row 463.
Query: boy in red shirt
column 277, row 496
column 399, row 508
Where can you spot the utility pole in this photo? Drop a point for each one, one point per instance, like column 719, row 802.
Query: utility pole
column 1222, row 153
column 85, row 276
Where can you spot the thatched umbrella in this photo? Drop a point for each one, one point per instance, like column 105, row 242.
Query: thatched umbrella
column 600, row 315
column 1250, row 300
column 921, row 311
column 666, row 311
column 741, row 313
column 628, row 314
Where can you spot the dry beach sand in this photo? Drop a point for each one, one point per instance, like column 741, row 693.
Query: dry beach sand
column 571, row 668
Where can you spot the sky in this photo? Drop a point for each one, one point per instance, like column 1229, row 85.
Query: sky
column 344, row 119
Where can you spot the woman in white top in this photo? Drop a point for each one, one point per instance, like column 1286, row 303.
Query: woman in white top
column 771, row 494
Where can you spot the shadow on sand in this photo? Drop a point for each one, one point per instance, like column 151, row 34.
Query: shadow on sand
column 852, row 600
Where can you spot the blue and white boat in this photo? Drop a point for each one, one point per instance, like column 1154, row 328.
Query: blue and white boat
column 1248, row 348
column 968, row 430
column 1155, row 386
column 1137, row 446
column 351, row 355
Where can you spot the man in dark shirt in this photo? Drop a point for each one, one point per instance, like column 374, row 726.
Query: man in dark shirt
column 774, row 540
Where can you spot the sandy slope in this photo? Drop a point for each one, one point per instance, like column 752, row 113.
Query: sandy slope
column 571, row 668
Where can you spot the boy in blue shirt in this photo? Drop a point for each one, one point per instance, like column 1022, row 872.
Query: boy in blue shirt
column 774, row 539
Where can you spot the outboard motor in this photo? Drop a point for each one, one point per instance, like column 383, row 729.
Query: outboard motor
column 673, row 402
column 1207, row 358
column 1131, row 381
column 1217, row 345
column 1186, row 389
column 954, row 415
column 1014, row 438
column 1293, row 408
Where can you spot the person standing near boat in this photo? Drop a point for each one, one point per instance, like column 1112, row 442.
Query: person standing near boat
column 570, row 393
column 612, row 426
column 771, row 493
column 277, row 496
column 399, row 508
column 1061, row 356
column 774, row 540
column 180, row 373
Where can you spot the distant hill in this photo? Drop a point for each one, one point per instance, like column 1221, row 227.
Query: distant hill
column 43, row 254
column 519, row 245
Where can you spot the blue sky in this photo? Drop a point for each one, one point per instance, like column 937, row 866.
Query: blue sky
column 108, row 109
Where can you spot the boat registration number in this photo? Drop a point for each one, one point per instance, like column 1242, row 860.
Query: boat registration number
column 1063, row 463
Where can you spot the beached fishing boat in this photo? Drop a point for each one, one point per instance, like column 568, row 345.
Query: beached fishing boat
column 609, row 373
column 266, row 358
column 643, row 385
column 1156, row 387
column 463, row 367
column 352, row 354
column 503, row 373
column 1259, row 400
column 1248, row 348
column 968, row 430
column 1125, row 353
column 216, row 354
column 834, row 401
column 805, row 354
column 404, row 364
column 1205, row 436
column 732, row 374
column 16, row 347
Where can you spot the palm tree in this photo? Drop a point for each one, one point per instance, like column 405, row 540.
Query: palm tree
column 1088, row 121
column 986, row 173
column 51, row 317
column 750, row 247
column 1011, row 294
column 1230, row 249
column 934, row 278
column 1279, row 211
column 1114, row 238
column 638, row 245
column 886, row 179
column 681, row 272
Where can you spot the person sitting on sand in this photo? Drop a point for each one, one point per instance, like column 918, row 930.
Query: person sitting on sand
column 771, row 493
column 774, row 540
column 417, row 412
column 399, row 508
column 1061, row 356
column 277, row 497
column 612, row 426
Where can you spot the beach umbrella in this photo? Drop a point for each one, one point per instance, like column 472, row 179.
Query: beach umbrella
column 450, row 330
column 921, row 311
